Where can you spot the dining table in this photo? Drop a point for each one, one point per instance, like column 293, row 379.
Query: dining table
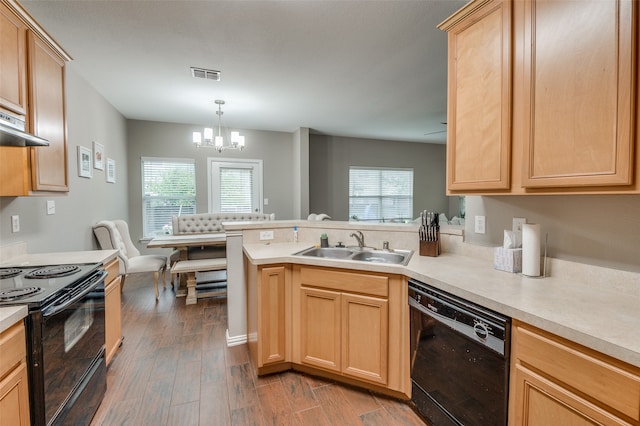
column 182, row 242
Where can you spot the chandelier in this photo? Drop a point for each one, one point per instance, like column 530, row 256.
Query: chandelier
column 235, row 141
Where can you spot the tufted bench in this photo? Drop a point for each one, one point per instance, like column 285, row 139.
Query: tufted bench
column 205, row 223
column 211, row 223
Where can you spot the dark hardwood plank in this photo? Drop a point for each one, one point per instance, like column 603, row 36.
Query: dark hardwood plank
column 275, row 405
column 174, row 368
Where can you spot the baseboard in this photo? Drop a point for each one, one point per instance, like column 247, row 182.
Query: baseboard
column 236, row 340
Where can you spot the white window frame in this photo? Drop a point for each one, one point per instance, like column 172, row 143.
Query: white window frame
column 380, row 196
column 142, row 181
column 213, row 165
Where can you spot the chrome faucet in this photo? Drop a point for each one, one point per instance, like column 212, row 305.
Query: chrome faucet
column 358, row 236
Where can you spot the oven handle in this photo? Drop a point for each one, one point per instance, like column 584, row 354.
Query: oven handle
column 88, row 285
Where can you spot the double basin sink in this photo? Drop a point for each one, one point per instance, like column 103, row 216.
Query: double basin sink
column 394, row 257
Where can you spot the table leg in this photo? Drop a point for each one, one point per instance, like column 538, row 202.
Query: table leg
column 192, row 297
column 181, row 291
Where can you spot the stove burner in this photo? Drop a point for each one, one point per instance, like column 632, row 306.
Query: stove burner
column 17, row 293
column 53, row 271
column 9, row 272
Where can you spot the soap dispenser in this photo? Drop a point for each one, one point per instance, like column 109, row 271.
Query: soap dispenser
column 324, row 240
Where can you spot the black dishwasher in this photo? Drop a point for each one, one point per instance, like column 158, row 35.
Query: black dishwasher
column 459, row 359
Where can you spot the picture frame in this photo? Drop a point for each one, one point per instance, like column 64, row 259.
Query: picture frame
column 111, row 170
column 84, row 162
column 98, row 155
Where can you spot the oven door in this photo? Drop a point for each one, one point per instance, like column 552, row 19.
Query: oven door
column 70, row 378
column 455, row 380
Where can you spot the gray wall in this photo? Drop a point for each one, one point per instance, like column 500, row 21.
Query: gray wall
column 331, row 156
column 171, row 140
column 89, row 118
column 601, row 230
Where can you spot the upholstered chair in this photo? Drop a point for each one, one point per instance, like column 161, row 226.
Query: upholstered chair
column 114, row 235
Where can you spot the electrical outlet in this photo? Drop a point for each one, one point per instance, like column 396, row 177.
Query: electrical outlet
column 15, row 223
column 266, row 202
column 481, row 225
column 517, row 223
column 266, row 235
column 51, row 207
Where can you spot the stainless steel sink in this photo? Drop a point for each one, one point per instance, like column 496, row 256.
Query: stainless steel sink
column 328, row 252
column 394, row 257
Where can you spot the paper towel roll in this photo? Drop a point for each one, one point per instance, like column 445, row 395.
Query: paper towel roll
column 531, row 249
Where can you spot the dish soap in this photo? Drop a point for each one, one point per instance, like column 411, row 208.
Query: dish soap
column 295, row 234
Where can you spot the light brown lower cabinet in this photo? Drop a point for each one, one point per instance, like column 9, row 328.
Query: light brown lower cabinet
column 113, row 310
column 558, row 382
column 347, row 325
column 14, row 385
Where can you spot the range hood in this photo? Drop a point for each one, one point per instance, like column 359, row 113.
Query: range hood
column 12, row 132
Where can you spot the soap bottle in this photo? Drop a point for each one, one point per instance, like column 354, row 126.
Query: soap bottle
column 324, row 240
column 295, row 234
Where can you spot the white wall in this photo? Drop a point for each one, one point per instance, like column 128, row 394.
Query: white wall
column 601, row 230
column 89, row 118
column 330, row 158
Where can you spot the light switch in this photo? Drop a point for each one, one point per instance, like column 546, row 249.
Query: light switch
column 51, row 207
column 266, row 201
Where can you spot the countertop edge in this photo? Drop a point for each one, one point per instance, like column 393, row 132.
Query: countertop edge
column 10, row 315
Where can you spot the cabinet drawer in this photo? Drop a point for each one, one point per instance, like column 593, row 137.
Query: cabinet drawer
column 12, row 348
column 113, row 270
column 375, row 285
column 602, row 378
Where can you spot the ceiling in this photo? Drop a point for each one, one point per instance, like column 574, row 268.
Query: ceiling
column 368, row 69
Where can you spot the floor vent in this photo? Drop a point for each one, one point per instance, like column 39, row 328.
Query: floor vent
column 206, row 74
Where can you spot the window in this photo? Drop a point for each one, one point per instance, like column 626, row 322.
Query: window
column 168, row 189
column 380, row 194
column 236, row 186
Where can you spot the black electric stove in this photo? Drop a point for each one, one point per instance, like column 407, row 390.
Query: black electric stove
column 38, row 286
column 65, row 330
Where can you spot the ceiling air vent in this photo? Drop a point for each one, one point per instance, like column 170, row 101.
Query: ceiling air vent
column 206, row 74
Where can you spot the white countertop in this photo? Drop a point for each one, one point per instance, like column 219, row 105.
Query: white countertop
column 11, row 315
column 61, row 258
column 604, row 317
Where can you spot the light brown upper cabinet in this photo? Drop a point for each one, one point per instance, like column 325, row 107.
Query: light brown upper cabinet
column 47, row 110
column 32, row 86
column 12, row 65
column 479, row 108
column 567, row 118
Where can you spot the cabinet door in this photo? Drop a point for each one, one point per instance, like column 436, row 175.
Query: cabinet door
column 365, row 332
column 113, row 317
column 541, row 402
column 272, row 322
column 12, row 62
column 14, row 398
column 47, row 110
column 579, row 81
column 320, row 328
column 479, row 108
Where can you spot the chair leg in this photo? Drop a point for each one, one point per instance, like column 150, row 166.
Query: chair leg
column 155, row 282
column 122, row 282
column 164, row 280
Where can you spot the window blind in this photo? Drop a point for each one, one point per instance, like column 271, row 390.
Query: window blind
column 236, row 190
column 380, row 194
column 168, row 189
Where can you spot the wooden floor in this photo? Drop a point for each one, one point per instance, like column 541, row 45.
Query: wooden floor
column 174, row 368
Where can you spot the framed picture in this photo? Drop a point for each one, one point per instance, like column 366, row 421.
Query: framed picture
column 84, row 162
column 98, row 156
column 111, row 170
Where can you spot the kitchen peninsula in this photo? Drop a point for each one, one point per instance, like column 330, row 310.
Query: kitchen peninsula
column 581, row 315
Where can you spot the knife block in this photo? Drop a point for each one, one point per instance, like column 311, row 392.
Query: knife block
column 430, row 248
